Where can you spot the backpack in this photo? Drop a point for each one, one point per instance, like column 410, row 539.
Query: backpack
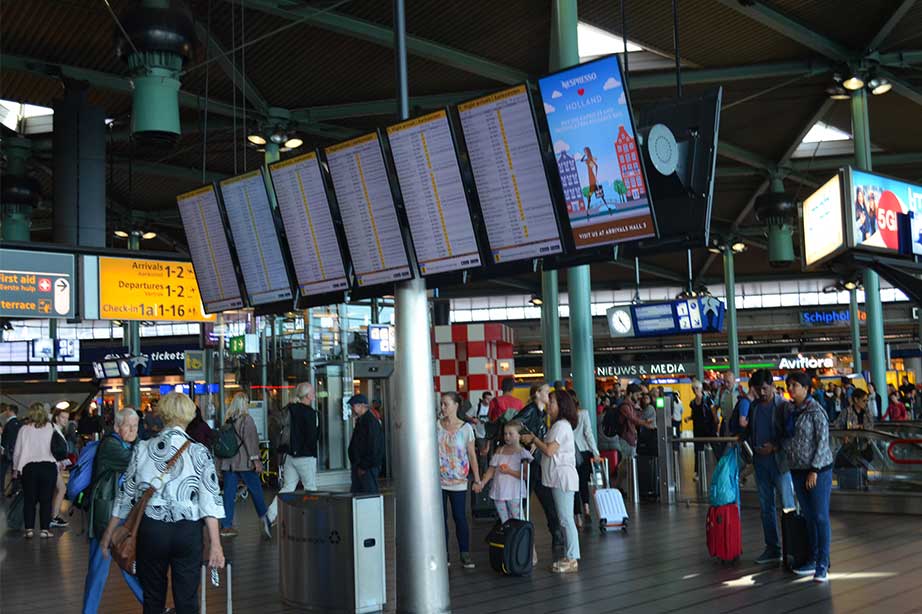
column 58, row 446
column 228, row 442
column 81, row 477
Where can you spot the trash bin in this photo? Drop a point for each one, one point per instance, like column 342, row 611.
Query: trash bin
column 331, row 551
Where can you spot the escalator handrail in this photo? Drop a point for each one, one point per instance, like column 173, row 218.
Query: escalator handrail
column 904, row 442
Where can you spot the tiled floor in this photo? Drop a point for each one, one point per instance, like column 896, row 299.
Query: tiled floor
column 661, row 565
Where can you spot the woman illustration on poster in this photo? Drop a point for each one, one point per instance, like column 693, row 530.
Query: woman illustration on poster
column 592, row 168
column 862, row 218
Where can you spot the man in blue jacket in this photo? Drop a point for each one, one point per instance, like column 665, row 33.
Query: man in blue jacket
column 766, row 429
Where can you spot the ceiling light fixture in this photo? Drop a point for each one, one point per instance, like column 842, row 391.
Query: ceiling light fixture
column 536, row 300
column 294, row 143
column 121, row 234
column 838, row 93
column 278, row 137
column 879, row 86
column 854, row 82
column 256, row 139
column 149, row 235
column 738, row 247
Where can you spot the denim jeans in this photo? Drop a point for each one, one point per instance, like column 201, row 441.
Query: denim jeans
column 770, row 481
column 563, row 501
column 230, row 494
column 96, row 575
column 814, row 505
column 457, row 501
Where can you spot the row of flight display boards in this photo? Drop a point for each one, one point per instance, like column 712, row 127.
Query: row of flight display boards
column 863, row 211
column 483, row 189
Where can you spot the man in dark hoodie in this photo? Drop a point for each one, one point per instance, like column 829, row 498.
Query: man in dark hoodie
column 366, row 449
column 300, row 436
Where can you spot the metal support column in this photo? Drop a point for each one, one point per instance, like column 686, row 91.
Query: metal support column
column 220, row 325
column 53, row 335
column 855, row 324
column 875, row 328
column 272, row 152
column 133, row 385
column 733, row 349
column 699, row 358
column 550, row 327
column 264, row 355
column 564, row 53
column 422, row 583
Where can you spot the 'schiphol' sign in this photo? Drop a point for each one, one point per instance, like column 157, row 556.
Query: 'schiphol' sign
column 635, row 370
column 806, row 362
column 829, row 317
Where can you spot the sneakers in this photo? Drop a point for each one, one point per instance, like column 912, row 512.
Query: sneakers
column 45, row 534
column 768, row 557
column 820, row 575
column 266, row 526
column 57, row 522
column 807, row 569
column 565, row 566
column 229, row 532
column 466, row 561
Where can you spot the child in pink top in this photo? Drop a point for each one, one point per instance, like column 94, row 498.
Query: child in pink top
column 506, row 465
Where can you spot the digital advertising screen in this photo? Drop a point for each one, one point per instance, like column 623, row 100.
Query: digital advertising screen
column 259, row 250
column 215, row 272
column 381, row 340
column 877, row 202
column 366, row 205
column 510, row 177
column 312, row 238
column 598, row 160
column 433, row 194
column 823, row 231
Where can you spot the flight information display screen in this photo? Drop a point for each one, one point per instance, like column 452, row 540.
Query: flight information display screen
column 598, row 160
column 433, row 194
column 211, row 255
column 312, row 239
column 369, row 216
column 510, row 177
column 256, row 240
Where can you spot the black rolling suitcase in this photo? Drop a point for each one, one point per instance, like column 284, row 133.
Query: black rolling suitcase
column 795, row 543
column 512, row 543
column 648, row 477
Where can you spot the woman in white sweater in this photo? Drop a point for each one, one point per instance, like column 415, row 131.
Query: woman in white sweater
column 32, row 460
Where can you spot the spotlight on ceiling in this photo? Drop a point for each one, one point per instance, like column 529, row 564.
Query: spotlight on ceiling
column 149, row 235
column 738, row 247
column 62, row 405
column 715, row 247
column 850, row 284
column 256, row 139
column 854, row 82
column 293, row 143
column 838, row 93
column 121, row 234
column 879, row 86
column 278, row 137
column 536, row 300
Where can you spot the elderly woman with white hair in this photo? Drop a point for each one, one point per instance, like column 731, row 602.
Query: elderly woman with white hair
column 186, row 496
column 299, row 439
column 244, row 466
column 112, row 459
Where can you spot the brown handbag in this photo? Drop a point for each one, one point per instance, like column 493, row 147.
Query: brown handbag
column 124, row 543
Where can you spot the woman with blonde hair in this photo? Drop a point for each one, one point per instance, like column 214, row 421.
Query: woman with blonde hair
column 243, row 466
column 186, row 495
column 33, row 460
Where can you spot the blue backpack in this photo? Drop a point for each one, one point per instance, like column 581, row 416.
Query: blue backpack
column 81, row 476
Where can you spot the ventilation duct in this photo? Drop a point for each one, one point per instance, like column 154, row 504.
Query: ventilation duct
column 155, row 39
column 777, row 211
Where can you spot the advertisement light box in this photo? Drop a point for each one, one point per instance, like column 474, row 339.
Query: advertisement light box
column 879, row 206
column 823, row 223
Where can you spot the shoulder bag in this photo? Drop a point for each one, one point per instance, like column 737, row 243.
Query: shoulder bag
column 124, row 543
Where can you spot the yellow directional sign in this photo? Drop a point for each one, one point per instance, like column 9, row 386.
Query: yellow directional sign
column 157, row 290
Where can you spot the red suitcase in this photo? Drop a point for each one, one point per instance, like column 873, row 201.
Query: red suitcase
column 724, row 534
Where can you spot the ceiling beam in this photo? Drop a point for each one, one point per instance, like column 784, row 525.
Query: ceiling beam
column 903, row 88
column 647, row 80
column 387, row 106
column 836, row 162
column 652, row 269
column 891, row 23
column 230, row 69
column 796, row 31
column 384, row 36
column 159, row 169
column 904, row 59
column 754, row 160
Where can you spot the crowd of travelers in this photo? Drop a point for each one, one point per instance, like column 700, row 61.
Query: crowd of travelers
column 544, row 446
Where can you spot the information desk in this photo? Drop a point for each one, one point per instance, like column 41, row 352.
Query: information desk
column 509, row 173
column 252, row 226
column 215, row 269
column 369, row 216
column 433, row 194
column 312, row 238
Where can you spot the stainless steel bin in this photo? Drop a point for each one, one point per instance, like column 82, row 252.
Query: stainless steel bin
column 331, row 550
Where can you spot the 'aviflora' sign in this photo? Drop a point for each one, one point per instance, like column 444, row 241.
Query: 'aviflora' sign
column 807, row 362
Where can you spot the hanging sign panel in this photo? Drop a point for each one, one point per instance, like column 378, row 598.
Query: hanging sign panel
column 134, row 289
column 215, row 272
column 509, row 173
column 369, row 216
column 823, row 229
column 878, row 203
column 252, row 226
column 598, row 161
column 312, row 238
column 433, row 194
column 36, row 284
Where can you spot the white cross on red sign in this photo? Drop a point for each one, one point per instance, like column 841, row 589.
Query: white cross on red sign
column 44, row 285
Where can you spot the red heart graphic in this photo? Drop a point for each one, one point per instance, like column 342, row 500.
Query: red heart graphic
column 581, row 91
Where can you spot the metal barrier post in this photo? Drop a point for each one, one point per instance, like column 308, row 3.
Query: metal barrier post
column 703, row 473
